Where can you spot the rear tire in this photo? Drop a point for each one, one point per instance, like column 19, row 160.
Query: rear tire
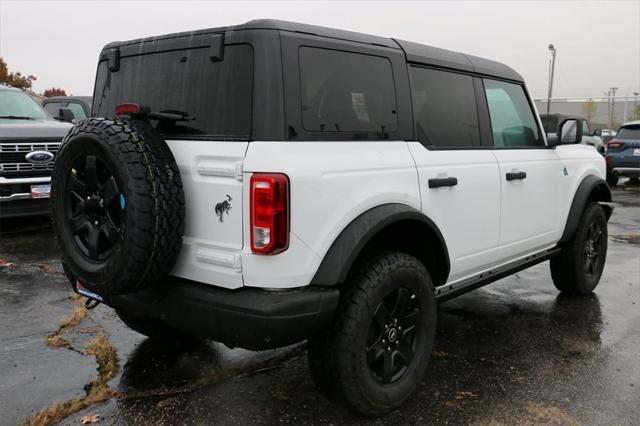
column 612, row 179
column 375, row 354
column 577, row 270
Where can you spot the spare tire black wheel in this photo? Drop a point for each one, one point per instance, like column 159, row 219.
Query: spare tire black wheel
column 118, row 205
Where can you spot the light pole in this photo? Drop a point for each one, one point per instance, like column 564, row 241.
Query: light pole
column 612, row 105
column 552, row 49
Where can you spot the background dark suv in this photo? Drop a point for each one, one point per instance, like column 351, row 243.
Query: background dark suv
column 80, row 106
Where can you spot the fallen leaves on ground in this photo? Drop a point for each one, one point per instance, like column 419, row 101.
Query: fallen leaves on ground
column 6, row 264
column 88, row 420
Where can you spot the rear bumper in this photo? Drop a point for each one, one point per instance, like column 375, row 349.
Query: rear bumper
column 632, row 172
column 25, row 207
column 251, row 318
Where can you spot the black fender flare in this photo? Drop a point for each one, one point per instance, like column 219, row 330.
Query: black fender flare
column 349, row 244
column 592, row 188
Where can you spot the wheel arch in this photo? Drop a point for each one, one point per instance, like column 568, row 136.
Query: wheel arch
column 592, row 188
column 389, row 226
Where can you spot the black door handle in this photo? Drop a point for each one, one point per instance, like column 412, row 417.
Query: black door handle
column 440, row 182
column 516, row 175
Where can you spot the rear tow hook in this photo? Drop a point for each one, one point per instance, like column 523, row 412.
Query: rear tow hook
column 91, row 303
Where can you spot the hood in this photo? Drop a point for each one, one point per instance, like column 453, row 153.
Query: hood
column 42, row 128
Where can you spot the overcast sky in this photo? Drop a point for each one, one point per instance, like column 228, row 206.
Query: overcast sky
column 598, row 42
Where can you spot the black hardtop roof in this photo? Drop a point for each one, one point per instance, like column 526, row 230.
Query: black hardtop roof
column 415, row 52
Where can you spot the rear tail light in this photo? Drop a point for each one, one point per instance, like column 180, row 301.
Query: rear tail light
column 615, row 144
column 127, row 109
column 269, row 213
column 131, row 109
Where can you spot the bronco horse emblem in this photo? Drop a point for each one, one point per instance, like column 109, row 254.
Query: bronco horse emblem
column 223, row 207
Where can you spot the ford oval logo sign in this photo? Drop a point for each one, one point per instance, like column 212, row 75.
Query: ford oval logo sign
column 39, row 157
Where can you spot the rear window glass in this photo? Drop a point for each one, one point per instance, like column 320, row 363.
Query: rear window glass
column 346, row 92
column 630, row 132
column 218, row 95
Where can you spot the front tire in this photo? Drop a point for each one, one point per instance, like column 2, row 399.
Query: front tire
column 375, row 354
column 577, row 270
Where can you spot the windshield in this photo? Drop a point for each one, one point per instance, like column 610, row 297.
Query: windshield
column 215, row 97
column 630, row 132
column 19, row 105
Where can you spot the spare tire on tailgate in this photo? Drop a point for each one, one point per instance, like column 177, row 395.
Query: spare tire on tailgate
column 118, row 205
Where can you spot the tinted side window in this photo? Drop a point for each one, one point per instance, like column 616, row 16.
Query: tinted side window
column 512, row 120
column 78, row 111
column 444, row 105
column 346, row 92
column 585, row 128
column 53, row 108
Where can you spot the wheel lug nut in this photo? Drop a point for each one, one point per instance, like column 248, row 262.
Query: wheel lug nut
column 384, row 341
column 389, row 348
column 395, row 320
column 95, row 223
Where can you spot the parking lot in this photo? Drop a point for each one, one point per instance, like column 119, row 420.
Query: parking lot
column 511, row 352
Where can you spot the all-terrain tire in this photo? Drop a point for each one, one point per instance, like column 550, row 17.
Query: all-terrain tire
column 338, row 356
column 139, row 225
column 575, row 270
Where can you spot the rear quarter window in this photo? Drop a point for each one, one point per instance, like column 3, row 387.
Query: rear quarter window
column 218, row 95
column 346, row 92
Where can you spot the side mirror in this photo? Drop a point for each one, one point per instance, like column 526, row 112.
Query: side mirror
column 65, row 114
column 597, row 132
column 570, row 131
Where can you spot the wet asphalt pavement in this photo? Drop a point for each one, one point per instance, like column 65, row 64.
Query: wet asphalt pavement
column 512, row 352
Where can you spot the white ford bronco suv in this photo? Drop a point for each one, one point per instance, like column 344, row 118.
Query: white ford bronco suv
column 272, row 182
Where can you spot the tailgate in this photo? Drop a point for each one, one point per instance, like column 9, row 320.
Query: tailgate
column 629, row 155
column 212, row 178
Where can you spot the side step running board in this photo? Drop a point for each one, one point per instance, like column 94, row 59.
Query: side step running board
column 449, row 291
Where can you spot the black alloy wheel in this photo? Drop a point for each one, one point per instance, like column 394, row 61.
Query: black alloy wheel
column 94, row 207
column 592, row 249
column 375, row 353
column 393, row 335
column 578, row 268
